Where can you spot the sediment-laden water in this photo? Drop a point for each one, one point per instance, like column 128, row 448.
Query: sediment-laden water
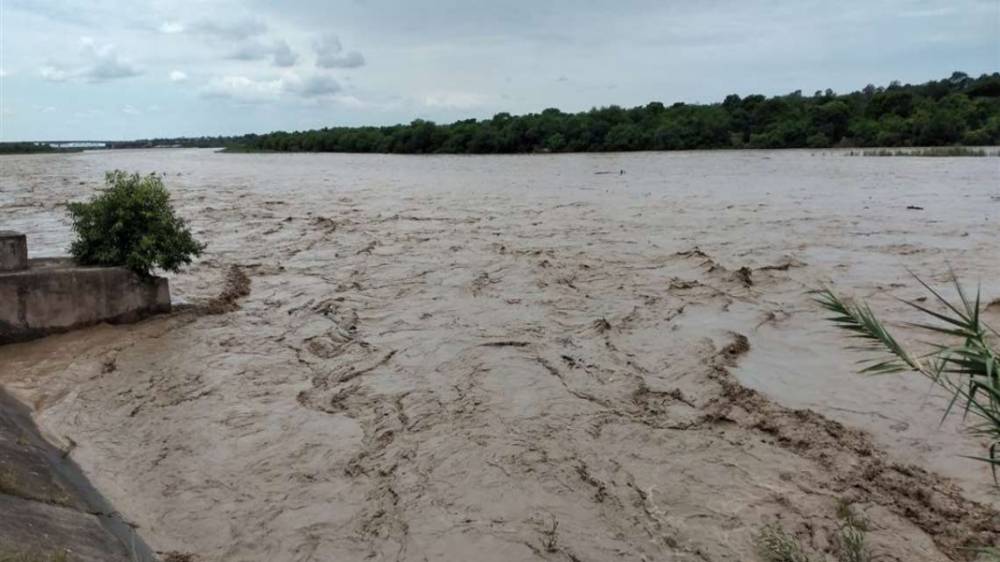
column 520, row 357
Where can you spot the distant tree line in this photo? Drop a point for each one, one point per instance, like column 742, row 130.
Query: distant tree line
column 958, row 110
column 184, row 142
column 25, row 147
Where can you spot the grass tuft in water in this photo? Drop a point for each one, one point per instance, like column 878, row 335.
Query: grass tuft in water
column 933, row 151
column 852, row 543
column 774, row 544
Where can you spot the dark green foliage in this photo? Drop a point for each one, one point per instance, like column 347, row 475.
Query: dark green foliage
column 955, row 110
column 25, row 147
column 131, row 223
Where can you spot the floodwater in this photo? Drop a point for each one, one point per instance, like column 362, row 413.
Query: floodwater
column 520, row 357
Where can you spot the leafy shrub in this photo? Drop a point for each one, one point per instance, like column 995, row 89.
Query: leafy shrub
column 131, row 223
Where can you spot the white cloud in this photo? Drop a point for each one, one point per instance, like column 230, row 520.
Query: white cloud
column 130, row 110
column 170, row 27
column 88, row 113
column 351, row 101
column 455, row 100
column 249, row 90
column 178, row 76
column 53, row 74
column 330, row 53
column 96, row 63
column 242, row 88
column 928, row 13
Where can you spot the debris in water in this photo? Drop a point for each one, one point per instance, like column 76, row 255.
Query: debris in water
column 236, row 285
column 602, row 325
column 744, row 274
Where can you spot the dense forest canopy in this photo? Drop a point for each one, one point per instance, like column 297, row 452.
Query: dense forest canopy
column 958, row 110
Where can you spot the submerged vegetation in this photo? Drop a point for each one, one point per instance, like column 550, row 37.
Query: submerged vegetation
column 958, row 110
column 774, row 544
column 965, row 361
column 939, row 151
column 132, row 223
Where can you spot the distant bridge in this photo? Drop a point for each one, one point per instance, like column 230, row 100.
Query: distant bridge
column 77, row 144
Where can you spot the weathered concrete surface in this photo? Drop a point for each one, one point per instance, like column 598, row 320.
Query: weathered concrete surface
column 47, row 507
column 13, row 251
column 55, row 295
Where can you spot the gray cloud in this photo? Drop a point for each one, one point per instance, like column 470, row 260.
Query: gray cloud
column 279, row 52
column 238, row 30
column 330, row 53
column 251, row 50
column 109, row 68
column 283, row 55
column 317, row 86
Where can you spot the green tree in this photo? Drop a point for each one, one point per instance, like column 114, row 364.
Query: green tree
column 956, row 109
column 131, row 223
column 555, row 142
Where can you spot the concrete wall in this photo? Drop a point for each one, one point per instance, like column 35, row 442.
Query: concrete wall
column 13, row 251
column 55, row 295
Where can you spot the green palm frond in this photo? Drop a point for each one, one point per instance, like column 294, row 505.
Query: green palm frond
column 861, row 322
column 969, row 370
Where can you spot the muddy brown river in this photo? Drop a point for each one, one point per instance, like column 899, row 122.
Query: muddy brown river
column 520, row 357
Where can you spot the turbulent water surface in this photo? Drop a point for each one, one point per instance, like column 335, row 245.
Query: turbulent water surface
column 520, row 357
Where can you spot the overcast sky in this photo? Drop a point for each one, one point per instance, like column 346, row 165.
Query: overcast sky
column 119, row 69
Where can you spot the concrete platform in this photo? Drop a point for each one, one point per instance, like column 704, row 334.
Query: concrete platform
column 13, row 251
column 55, row 295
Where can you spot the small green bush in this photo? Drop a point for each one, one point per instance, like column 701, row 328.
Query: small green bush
column 131, row 223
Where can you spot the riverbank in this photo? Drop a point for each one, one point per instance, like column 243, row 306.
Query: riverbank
column 48, row 510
